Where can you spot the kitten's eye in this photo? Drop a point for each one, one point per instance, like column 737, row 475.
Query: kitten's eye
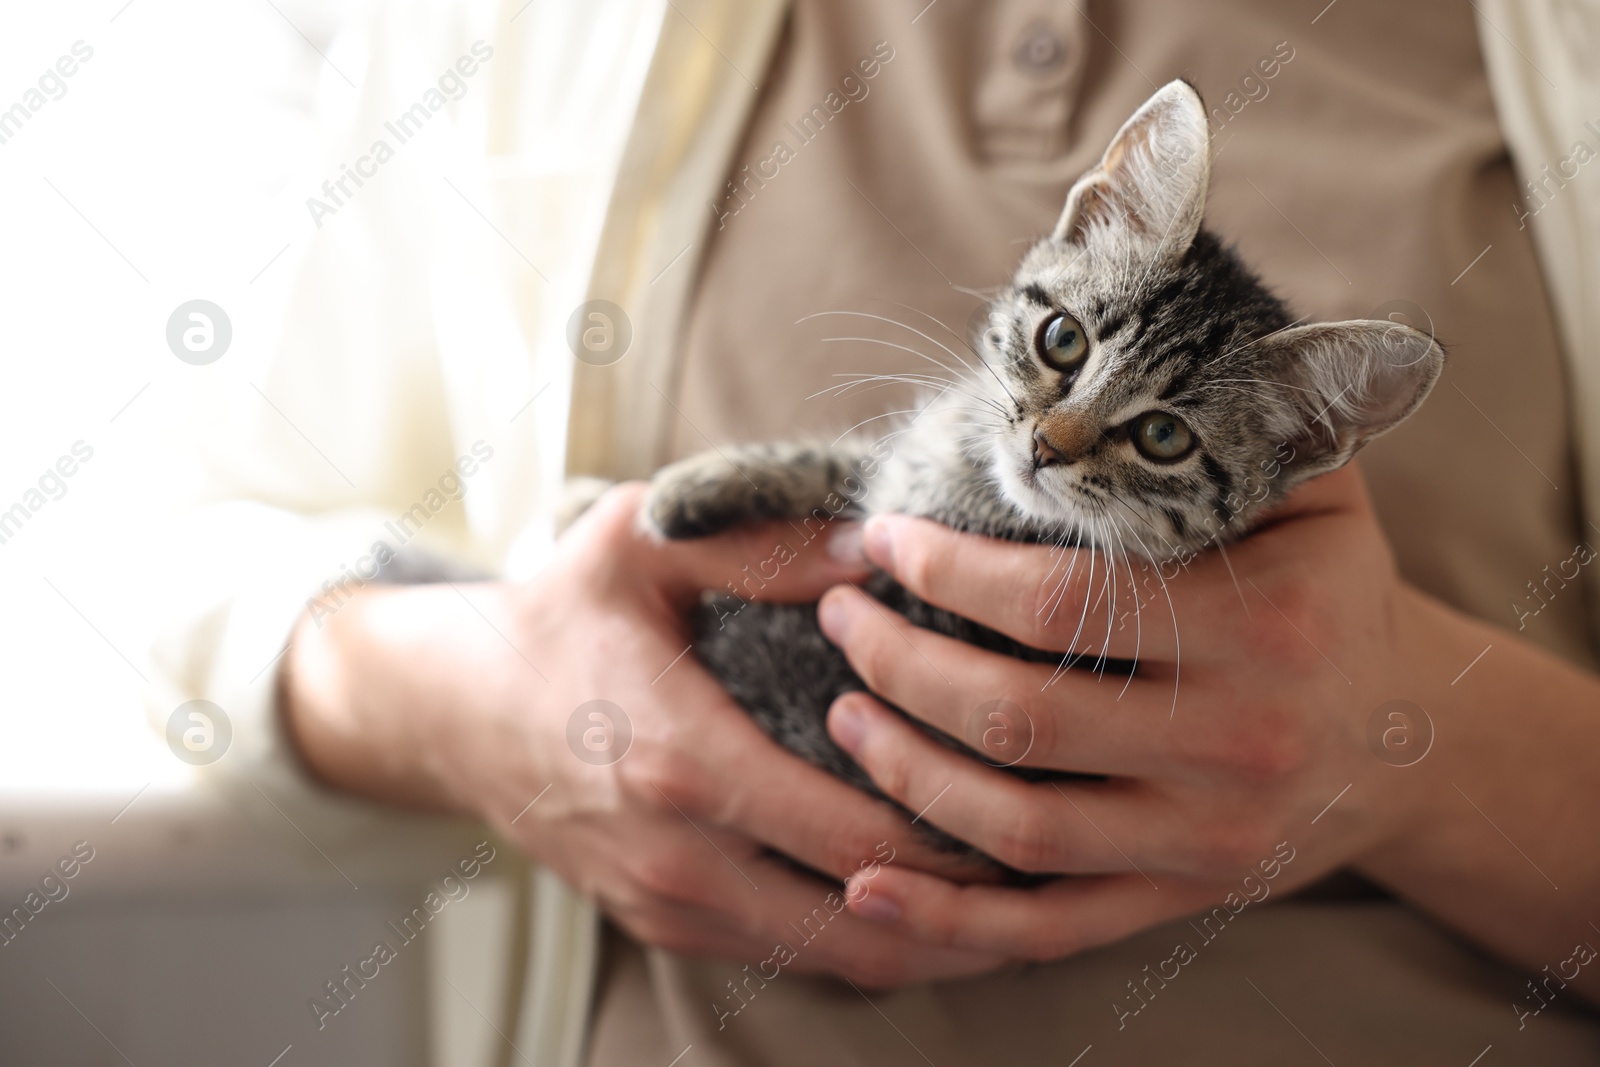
column 1061, row 342
column 1162, row 437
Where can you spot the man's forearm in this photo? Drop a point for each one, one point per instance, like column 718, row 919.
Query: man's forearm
column 362, row 692
column 1501, row 847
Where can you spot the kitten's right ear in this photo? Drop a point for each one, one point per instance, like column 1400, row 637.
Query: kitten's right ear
column 1150, row 186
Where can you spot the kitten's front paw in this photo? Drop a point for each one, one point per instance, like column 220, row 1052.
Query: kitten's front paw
column 699, row 497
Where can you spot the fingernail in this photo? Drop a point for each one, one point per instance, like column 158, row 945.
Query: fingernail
column 845, row 544
column 879, row 540
column 847, row 724
column 833, row 614
column 878, row 908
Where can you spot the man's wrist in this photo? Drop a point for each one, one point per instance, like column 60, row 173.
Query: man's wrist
column 356, row 701
column 1480, row 833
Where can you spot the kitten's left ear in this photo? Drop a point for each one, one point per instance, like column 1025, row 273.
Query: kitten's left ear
column 1349, row 382
column 1150, row 186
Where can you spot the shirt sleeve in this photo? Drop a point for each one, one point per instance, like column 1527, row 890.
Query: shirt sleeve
column 391, row 410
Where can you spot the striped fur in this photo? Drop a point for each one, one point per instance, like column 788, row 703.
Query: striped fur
column 1175, row 323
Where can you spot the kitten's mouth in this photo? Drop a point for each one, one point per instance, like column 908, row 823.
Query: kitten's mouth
column 1023, row 484
column 1030, row 476
column 1027, row 470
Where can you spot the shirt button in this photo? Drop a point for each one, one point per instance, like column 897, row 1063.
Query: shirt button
column 1040, row 50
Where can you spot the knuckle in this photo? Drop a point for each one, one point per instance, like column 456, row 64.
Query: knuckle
column 638, row 925
column 1046, row 602
column 638, row 773
column 640, row 922
column 635, row 775
column 942, row 923
column 843, row 855
column 890, row 770
column 1273, row 754
column 1056, row 945
column 617, row 510
column 663, row 874
column 1261, row 744
column 659, row 776
column 651, row 927
column 1027, row 842
column 871, row 659
column 914, row 566
column 1038, row 734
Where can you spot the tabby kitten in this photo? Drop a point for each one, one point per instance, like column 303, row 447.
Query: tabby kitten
column 1138, row 389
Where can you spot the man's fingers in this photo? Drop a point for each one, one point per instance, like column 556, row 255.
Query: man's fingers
column 714, row 894
column 683, row 929
column 1340, row 490
column 1046, row 923
column 813, row 930
column 731, row 775
column 1029, row 714
column 773, row 561
column 838, row 829
column 1038, row 827
column 1059, row 600
column 779, row 561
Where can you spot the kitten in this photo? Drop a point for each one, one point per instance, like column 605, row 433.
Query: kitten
column 1138, row 389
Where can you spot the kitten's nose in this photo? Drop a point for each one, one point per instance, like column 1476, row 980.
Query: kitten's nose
column 1044, row 453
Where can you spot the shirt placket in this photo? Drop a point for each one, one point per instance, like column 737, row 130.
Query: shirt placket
column 1029, row 85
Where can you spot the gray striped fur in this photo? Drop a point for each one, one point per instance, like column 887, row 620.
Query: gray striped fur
column 1174, row 322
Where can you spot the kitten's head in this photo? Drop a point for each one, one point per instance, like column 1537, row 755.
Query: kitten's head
column 1152, row 387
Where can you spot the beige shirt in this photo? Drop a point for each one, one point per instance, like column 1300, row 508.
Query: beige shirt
column 1358, row 162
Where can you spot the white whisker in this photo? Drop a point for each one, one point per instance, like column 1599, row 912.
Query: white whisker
column 895, row 322
column 875, row 418
column 941, row 364
column 1177, row 642
column 967, row 344
column 1138, row 613
column 1054, row 600
column 1217, row 540
column 1108, row 593
column 1082, row 620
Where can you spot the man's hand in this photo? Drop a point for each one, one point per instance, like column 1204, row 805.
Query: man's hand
column 460, row 698
column 1243, row 736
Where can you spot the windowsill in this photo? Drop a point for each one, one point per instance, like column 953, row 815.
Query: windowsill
column 159, row 827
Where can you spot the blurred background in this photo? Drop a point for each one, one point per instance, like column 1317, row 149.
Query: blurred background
column 172, row 165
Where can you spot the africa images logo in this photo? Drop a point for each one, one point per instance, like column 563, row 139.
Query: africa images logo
column 451, row 85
